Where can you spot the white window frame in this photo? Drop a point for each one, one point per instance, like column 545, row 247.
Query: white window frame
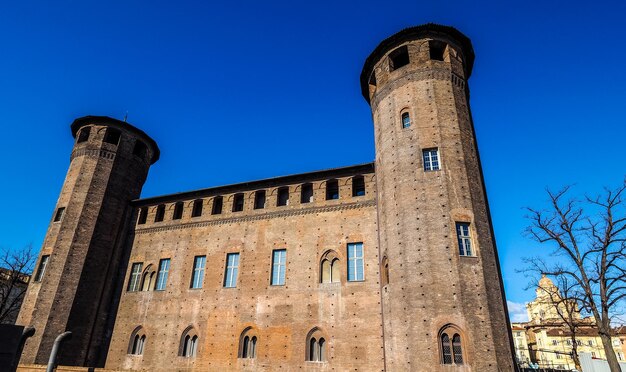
column 232, row 270
column 134, row 282
column 279, row 267
column 197, row 277
column 427, row 159
column 162, row 274
column 355, row 261
column 464, row 239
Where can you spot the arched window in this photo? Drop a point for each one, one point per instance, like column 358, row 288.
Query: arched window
column 316, row 346
column 406, row 120
column 330, row 268
column 247, row 343
column 137, row 341
column 188, row 343
column 451, row 345
column 149, row 276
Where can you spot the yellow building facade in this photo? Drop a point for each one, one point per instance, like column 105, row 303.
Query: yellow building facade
column 546, row 339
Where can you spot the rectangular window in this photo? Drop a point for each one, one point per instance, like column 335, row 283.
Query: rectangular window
column 42, row 267
column 160, row 213
column 355, row 262
column 465, row 241
column 135, row 277
column 279, row 261
column 332, row 189
column 164, row 269
column 307, row 193
column 555, row 342
column 283, row 197
column 199, row 263
column 431, row 159
column 143, row 216
column 232, row 268
column 238, row 203
column 259, row 199
column 218, row 202
column 196, row 211
column 59, row 214
column 178, row 211
column 358, row 186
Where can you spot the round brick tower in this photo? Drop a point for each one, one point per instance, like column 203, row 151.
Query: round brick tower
column 442, row 295
column 75, row 281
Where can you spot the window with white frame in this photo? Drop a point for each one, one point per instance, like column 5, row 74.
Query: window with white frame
column 464, row 238
column 42, row 267
column 164, row 269
column 135, row 277
column 431, row 159
column 279, row 261
column 355, row 262
column 232, row 268
column 199, row 264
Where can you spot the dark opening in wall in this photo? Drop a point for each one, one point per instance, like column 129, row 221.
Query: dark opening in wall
column 178, row 211
column 358, row 186
column 283, row 196
column 218, row 202
column 140, row 149
column 306, row 195
column 160, row 213
column 143, row 216
column 259, row 199
column 238, row 202
column 112, row 136
column 332, row 189
column 398, row 58
column 437, row 49
column 372, row 80
column 59, row 214
column 196, row 211
column 83, row 135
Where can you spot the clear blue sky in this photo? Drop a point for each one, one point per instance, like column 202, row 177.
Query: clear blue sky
column 236, row 91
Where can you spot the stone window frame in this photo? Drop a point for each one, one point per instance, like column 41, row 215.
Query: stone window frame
column 316, row 346
column 248, row 341
column 137, row 341
column 189, row 342
column 465, row 241
column 148, row 278
column 457, row 352
column 330, row 266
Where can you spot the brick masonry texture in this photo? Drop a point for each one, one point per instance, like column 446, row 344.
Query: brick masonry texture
column 406, row 218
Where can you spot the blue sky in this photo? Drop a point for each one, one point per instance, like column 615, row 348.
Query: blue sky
column 236, row 91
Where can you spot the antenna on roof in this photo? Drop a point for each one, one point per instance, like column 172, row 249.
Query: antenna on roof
column 126, row 116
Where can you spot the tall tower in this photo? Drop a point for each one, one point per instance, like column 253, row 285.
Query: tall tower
column 442, row 294
column 76, row 275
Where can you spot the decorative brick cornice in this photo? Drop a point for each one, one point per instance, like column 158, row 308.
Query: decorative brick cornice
column 93, row 153
column 262, row 216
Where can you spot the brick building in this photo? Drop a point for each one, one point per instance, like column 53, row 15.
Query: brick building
column 390, row 265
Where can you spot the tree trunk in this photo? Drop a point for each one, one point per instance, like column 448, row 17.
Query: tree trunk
column 610, row 353
column 575, row 357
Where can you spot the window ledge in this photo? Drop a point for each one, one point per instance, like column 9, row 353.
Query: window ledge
column 469, row 257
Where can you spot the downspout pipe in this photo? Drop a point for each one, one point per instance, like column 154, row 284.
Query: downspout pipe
column 26, row 333
column 55, row 350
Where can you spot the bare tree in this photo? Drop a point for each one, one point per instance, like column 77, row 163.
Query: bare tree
column 589, row 238
column 15, row 268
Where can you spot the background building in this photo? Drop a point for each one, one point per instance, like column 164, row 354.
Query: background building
column 387, row 265
column 547, row 340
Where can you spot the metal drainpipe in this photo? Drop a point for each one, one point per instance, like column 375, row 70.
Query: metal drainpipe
column 55, row 349
column 26, row 333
